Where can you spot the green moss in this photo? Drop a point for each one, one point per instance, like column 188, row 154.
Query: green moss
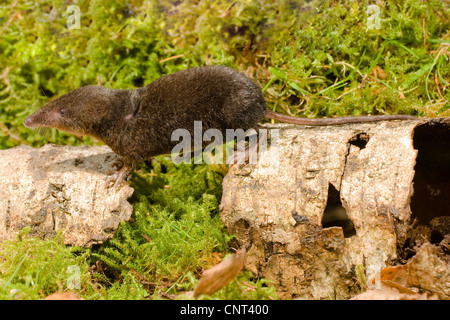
column 313, row 59
column 343, row 67
column 32, row 269
column 176, row 227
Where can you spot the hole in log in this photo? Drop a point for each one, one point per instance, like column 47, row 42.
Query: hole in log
column 244, row 230
column 430, row 202
column 360, row 140
column 431, row 181
column 335, row 214
column 436, row 237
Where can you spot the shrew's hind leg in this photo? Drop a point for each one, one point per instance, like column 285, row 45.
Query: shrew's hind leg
column 246, row 149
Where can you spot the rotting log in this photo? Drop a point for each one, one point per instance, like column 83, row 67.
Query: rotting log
column 60, row 189
column 339, row 197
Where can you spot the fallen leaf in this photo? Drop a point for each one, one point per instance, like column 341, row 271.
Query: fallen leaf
column 392, row 294
column 221, row 274
column 63, row 296
column 397, row 274
column 427, row 270
column 378, row 73
column 391, row 277
column 394, row 285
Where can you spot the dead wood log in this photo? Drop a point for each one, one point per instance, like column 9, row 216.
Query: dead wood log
column 335, row 198
column 60, row 188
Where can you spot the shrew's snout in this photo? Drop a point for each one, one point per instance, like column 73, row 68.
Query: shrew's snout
column 43, row 118
column 28, row 122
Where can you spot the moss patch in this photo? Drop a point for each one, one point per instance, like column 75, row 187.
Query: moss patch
column 313, row 59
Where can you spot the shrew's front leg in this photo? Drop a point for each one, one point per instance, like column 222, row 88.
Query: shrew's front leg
column 119, row 174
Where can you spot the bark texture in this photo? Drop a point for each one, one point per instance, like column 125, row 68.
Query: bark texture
column 335, row 198
column 60, row 188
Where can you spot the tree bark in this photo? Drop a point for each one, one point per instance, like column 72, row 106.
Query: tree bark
column 334, row 198
column 60, row 189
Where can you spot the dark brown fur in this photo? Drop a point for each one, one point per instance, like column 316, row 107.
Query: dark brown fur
column 138, row 124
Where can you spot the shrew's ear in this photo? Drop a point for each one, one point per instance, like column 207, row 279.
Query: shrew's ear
column 96, row 109
column 102, row 109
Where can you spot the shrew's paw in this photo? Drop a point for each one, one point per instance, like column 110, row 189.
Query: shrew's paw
column 117, row 177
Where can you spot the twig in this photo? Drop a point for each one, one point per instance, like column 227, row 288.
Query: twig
column 361, row 283
column 11, row 19
column 424, row 31
column 345, row 93
column 171, row 58
column 4, row 77
column 349, row 65
column 444, row 49
column 11, row 135
column 437, row 85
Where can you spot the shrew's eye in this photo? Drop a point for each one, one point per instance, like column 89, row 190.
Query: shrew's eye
column 62, row 112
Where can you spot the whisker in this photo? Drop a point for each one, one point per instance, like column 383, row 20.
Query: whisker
column 43, row 131
column 43, row 91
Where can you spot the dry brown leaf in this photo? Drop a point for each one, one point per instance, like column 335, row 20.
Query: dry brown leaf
column 427, row 270
column 397, row 274
column 221, row 274
column 392, row 294
column 378, row 73
column 63, row 296
column 390, row 278
column 394, row 285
